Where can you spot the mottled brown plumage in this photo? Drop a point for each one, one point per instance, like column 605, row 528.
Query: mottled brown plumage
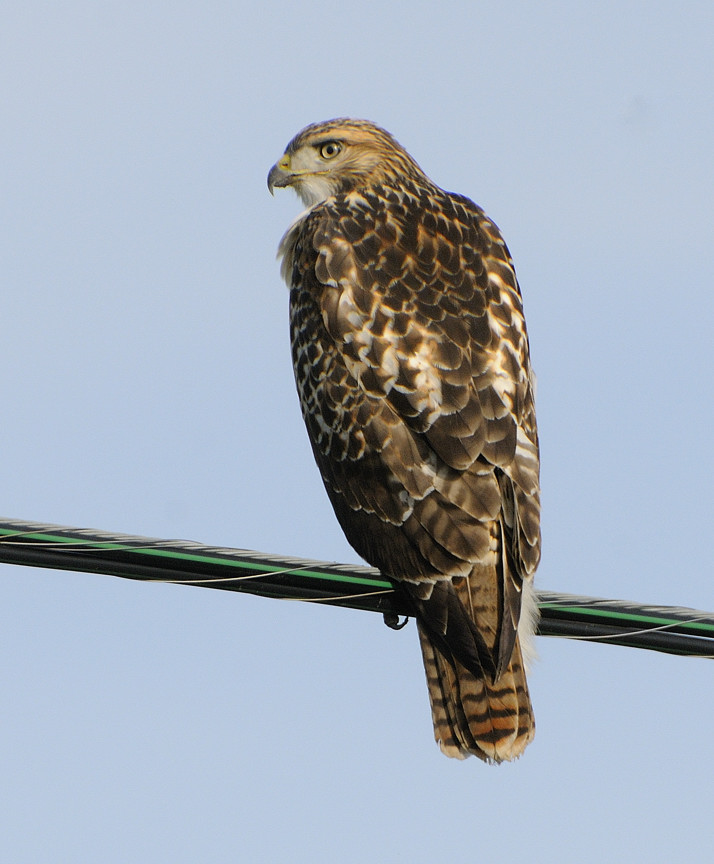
column 411, row 361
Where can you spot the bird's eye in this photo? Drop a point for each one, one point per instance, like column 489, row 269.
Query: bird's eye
column 330, row 149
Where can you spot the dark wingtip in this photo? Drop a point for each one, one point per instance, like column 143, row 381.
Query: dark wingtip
column 454, row 633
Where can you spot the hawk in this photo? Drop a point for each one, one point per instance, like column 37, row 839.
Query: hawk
column 412, row 365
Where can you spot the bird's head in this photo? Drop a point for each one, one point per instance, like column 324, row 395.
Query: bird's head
column 337, row 156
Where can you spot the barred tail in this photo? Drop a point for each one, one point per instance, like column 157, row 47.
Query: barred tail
column 472, row 715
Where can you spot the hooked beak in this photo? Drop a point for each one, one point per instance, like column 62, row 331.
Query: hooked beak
column 280, row 174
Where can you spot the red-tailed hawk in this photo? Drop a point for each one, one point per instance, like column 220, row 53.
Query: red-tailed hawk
column 411, row 361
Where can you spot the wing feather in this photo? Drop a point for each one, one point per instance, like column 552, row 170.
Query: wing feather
column 419, row 401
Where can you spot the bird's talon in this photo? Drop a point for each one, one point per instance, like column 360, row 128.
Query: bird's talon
column 391, row 619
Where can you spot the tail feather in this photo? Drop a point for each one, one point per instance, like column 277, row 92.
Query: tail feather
column 474, row 716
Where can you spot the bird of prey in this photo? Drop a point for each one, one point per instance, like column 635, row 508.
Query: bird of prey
column 412, row 365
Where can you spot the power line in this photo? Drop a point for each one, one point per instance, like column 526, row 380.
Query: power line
column 670, row 629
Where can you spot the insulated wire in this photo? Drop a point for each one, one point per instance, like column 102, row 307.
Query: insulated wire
column 674, row 630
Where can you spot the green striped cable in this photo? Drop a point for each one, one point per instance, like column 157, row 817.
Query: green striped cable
column 670, row 629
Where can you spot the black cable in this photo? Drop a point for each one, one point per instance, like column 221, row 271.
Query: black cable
column 670, row 629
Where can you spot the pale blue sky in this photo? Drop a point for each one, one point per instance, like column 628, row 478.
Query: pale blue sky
column 148, row 389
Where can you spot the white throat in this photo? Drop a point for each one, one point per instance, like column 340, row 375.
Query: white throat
column 313, row 189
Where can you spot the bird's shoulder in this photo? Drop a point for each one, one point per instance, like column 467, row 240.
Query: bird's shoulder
column 411, row 250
